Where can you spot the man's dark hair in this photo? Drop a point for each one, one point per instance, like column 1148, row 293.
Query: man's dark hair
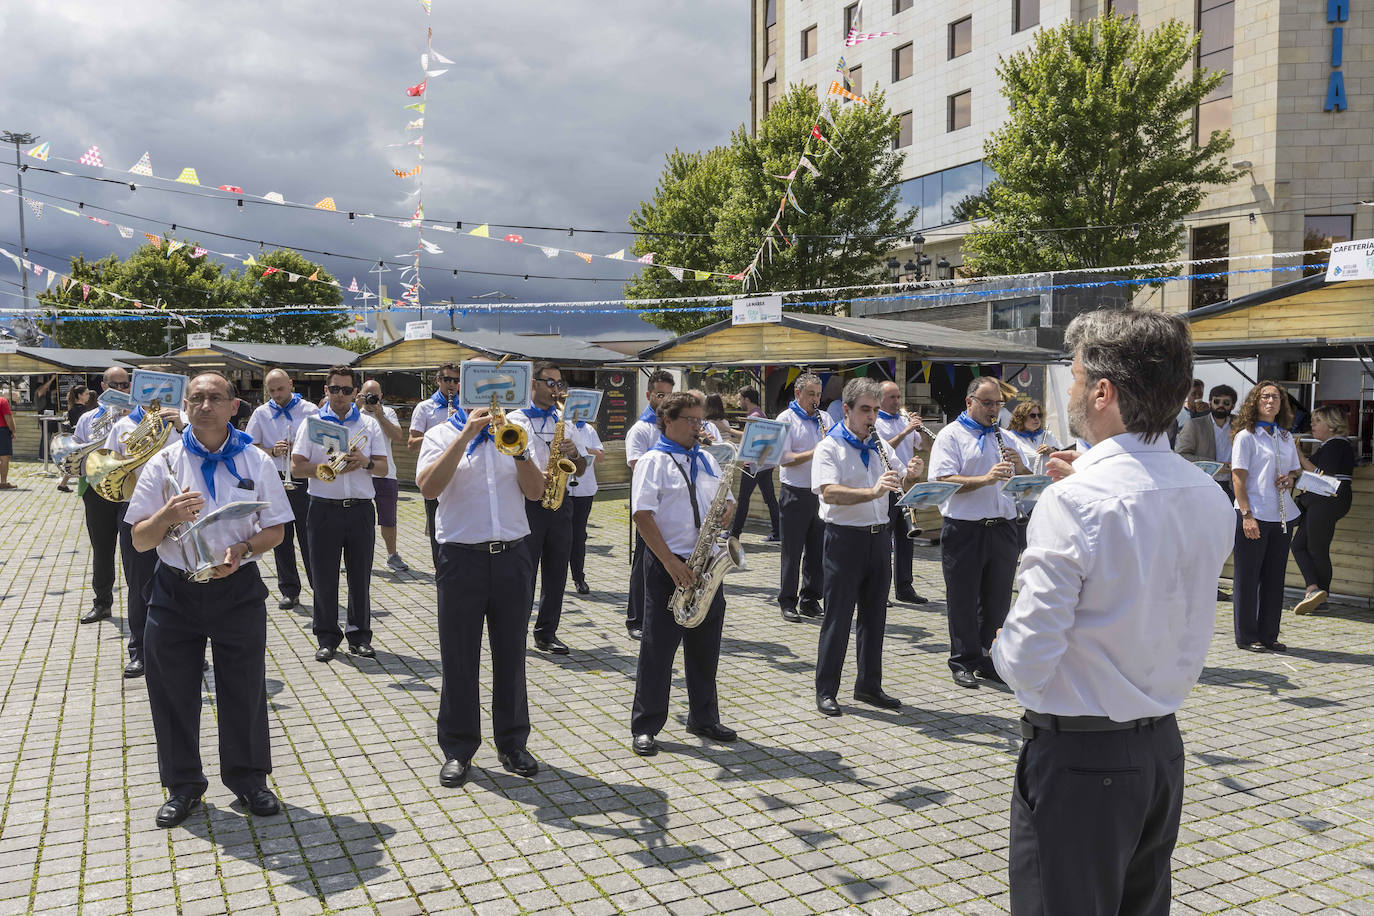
column 751, row 395
column 1223, row 391
column 673, row 406
column 544, row 365
column 342, row 370
column 659, row 377
column 979, row 382
column 1147, row 356
column 449, row 365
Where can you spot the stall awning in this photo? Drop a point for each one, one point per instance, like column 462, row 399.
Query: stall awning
column 38, row 360
column 456, row 346
column 829, row 339
column 235, row 354
column 1308, row 317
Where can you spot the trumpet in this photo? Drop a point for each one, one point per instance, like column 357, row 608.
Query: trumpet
column 335, row 460
column 511, row 438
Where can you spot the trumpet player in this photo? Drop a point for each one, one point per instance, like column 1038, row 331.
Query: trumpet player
column 102, row 516
column 675, row 482
column 210, row 465
column 485, row 577
column 903, row 433
column 273, row 426
column 429, row 413
column 853, row 472
column 341, row 520
column 551, row 530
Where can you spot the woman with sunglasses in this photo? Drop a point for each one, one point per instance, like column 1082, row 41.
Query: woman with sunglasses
column 1033, row 443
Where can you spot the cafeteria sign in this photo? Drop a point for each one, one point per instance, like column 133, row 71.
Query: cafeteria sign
column 1351, row 261
column 763, row 310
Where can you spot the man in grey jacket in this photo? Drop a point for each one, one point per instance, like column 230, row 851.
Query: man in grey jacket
column 1208, row 438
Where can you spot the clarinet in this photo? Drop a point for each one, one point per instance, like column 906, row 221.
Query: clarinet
column 1283, row 512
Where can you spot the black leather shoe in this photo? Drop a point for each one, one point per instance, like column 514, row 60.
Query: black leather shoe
column 634, row 632
column 645, row 745
column 286, row 604
column 911, row 598
column 176, row 809
column 363, row 650
column 521, row 762
column 582, row 587
column 965, row 678
column 134, row 668
column 878, row 698
column 790, row 615
column 96, row 614
column 828, row 706
column 716, row 732
column 552, row 644
column 324, row 654
column 1251, row 646
column 261, row 802
column 810, row 609
column 454, row 772
column 1276, row 646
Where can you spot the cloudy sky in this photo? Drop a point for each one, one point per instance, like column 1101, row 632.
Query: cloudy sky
column 553, row 114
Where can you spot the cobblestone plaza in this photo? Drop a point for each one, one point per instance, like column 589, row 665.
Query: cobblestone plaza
column 879, row 812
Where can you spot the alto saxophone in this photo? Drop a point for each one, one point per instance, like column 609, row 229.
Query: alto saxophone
column 691, row 604
column 557, row 471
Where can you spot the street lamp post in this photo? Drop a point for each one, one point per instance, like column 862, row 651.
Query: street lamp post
column 20, row 139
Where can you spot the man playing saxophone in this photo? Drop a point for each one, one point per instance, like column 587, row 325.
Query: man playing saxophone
column 853, row 472
column 551, row 528
column 675, row 483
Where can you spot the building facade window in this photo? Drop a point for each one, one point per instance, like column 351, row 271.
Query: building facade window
column 961, row 110
column 852, row 19
column 1124, row 8
column 946, row 196
column 856, row 80
column 1318, row 234
column 1014, row 314
column 903, row 130
column 901, row 6
column 1216, row 22
column 960, row 37
column 903, row 60
column 808, row 42
column 1209, row 242
column 1024, row 14
column 770, row 95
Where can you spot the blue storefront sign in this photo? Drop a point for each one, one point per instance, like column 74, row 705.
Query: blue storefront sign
column 1337, row 11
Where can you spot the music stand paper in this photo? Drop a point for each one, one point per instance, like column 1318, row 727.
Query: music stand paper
column 1027, row 487
column 115, row 399
column 929, row 494
column 146, row 386
column 1317, row 484
column 763, row 442
column 508, row 382
column 1210, row 468
column 205, row 537
column 583, row 404
column 327, row 434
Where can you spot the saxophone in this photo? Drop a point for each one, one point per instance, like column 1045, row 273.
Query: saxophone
column 690, row 605
column 557, row 471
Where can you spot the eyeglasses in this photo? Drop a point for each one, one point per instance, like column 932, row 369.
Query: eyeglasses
column 1222, row 402
column 990, row 404
column 341, row 389
column 1032, row 416
column 695, row 421
column 209, row 400
column 450, row 379
column 1268, row 397
column 122, row 386
column 553, row 382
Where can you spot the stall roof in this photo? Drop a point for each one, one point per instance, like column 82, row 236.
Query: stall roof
column 35, row 360
column 1310, row 316
column 811, row 338
column 238, row 354
column 403, row 355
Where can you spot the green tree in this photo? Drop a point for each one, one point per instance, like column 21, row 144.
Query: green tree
column 1101, row 135
column 837, row 231
column 275, row 290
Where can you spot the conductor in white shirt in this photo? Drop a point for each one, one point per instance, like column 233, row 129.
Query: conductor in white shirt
column 1114, row 615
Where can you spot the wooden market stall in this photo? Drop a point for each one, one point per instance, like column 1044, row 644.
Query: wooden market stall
column 1292, row 329
column 245, row 363
column 27, row 370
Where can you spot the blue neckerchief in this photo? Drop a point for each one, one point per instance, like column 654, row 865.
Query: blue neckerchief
column 441, row 401
column 883, row 414
column 328, row 414
column 460, row 419
column 278, row 411
column 698, row 457
column 137, row 414
column 236, row 443
column 1032, row 437
column 974, row 426
column 1265, row 424
column 649, row 416
column 841, row 432
column 99, row 413
column 796, row 409
column 537, row 413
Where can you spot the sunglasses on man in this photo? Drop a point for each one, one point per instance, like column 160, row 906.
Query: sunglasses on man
column 341, row 389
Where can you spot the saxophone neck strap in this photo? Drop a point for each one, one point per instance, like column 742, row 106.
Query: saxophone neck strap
column 691, row 493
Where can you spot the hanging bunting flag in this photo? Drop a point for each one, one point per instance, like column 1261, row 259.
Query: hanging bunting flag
column 51, row 277
column 793, row 198
column 788, row 177
column 701, row 274
column 143, row 166
column 353, row 287
column 92, row 157
column 96, row 219
column 826, row 113
column 435, row 55
column 417, row 90
column 36, row 206
column 199, row 253
column 617, row 255
column 430, row 247
column 314, row 276
column 676, row 272
column 426, row 4
column 270, row 271
column 406, row 173
column 188, row 176
column 154, row 240
column 251, row 262
column 274, row 197
column 231, row 188
column 836, row 89
column 292, row 278
column 67, row 211
column 419, row 211
column 738, row 276
column 42, row 151
column 433, row 73
column 125, row 231
column 416, row 124
column 37, row 268
column 415, row 106
column 85, row 291
column 173, row 245
column 855, row 37
column 584, row 256
column 517, row 239
column 326, row 204
column 483, row 231
column 549, row 252
column 806, row 164
column 646, row 259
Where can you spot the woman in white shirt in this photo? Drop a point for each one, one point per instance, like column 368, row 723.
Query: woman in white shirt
column 1264, row 466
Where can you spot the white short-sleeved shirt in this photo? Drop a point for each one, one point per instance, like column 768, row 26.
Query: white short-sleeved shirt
column 150, row 495
column 82, row 430
column 267, row 428
column 482, row 501
column 428, row 414
column 390, row 414
column 1116, row 592
column 356, row 484
column 586, row 439
column 802, row 436
column 838, row 462
column 660, row 487
column 1265, row 456
column 887, row 428
column 541, row 430
column 957, row 450
column 1028, row 448
column 640, row 438
column 835, row 410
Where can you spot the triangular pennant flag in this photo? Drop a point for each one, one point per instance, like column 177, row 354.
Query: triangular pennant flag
column 188, row 176
column 415, row 106
column 433, row 73
column 825, row 113
column 292, row 278
column 416, row 124
column 231, row 188
column 125, row 231
column 36, row 206
column 792, row 197
column 701, row 274
column 549, row 252
column 426, row 4
column 417, row 90
column 275, row 197
column 85, row 291
column 516, row 239
column 676, row 272
column 353, row 287
column 435, row 55
column 405, row 173
column 419, row 211
column 251, row 262
column 51, row 277
column 96, row 219
column 270, row 271
column 807, row 164
column 154, row 240
column 646, row 259
column 173, row 245
column 92, row 157
column 584, row 256
column 855, row 36
column 326, row 204
column 199, row 253
column 314, row 276
column 617, row 255
column 67, row 211
column 482, row 231
column 42, row 151
column 143, row 166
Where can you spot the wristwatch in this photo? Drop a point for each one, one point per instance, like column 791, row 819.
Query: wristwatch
column 248, row 554
column 1246, row 513
column 371, row 462
column 523, row 456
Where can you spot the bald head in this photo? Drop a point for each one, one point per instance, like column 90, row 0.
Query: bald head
column 278, row 385
column 115, row 377
column 890, row 400
column 372, row 386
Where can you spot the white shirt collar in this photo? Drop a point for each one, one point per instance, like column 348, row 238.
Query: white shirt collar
column 1122, row 444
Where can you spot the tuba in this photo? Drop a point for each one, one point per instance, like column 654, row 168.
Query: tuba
column 334, row 461
column 69, row 453
column 557, row 472
column 112, row 475
column 511, row 438
column 690, row 605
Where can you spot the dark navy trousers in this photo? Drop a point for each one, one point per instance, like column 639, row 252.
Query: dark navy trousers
column 803, row 535
column 138, row 577
column 288, row 578
column 351, row 532
column 550, row 548
column 858, row 565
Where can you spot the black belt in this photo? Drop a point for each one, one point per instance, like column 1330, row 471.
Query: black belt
column 862, row 529
column 346, row 503
column 985, row 522
column 1031, row 721
column 491, row 547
